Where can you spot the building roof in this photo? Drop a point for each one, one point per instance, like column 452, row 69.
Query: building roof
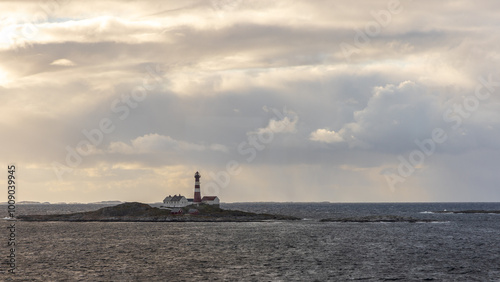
column 208, row 198
column 175, row 198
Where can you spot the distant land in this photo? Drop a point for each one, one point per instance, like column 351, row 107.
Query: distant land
column 377, row 218
column 471, row 211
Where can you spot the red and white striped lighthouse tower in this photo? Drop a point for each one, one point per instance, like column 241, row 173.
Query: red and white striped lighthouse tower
column 197, row 194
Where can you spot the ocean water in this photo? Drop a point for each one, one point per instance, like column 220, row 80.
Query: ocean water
column 459, row 247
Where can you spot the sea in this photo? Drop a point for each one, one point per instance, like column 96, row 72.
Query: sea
column 456, row 247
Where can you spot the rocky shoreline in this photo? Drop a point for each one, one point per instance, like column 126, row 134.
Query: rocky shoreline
column 470, row 211
column 139, row 212
column 377, row 218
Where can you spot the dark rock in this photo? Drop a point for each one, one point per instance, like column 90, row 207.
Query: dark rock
column 143, row 212
column 470, row 211
column 377, row 218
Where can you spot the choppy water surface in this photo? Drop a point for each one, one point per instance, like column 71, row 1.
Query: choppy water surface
column 461, row 247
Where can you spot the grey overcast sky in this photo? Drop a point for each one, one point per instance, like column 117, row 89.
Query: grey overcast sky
column 341, row 101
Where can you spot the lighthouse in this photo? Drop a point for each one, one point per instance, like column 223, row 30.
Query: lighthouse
column 181, row 201
column 197, row 194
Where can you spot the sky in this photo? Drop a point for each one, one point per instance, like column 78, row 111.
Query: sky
column 304, row 101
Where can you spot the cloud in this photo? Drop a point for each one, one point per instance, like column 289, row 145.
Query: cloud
column 326, row 136
column 285, row 122
column 151, row 143
column 63, row 62
column 393, row 118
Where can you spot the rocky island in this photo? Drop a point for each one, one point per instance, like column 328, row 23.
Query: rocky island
column 470, row 211
column 139, row 212
column 377, row 218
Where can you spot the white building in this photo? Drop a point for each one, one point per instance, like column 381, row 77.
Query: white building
column 175, row 202
column 210, row 200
